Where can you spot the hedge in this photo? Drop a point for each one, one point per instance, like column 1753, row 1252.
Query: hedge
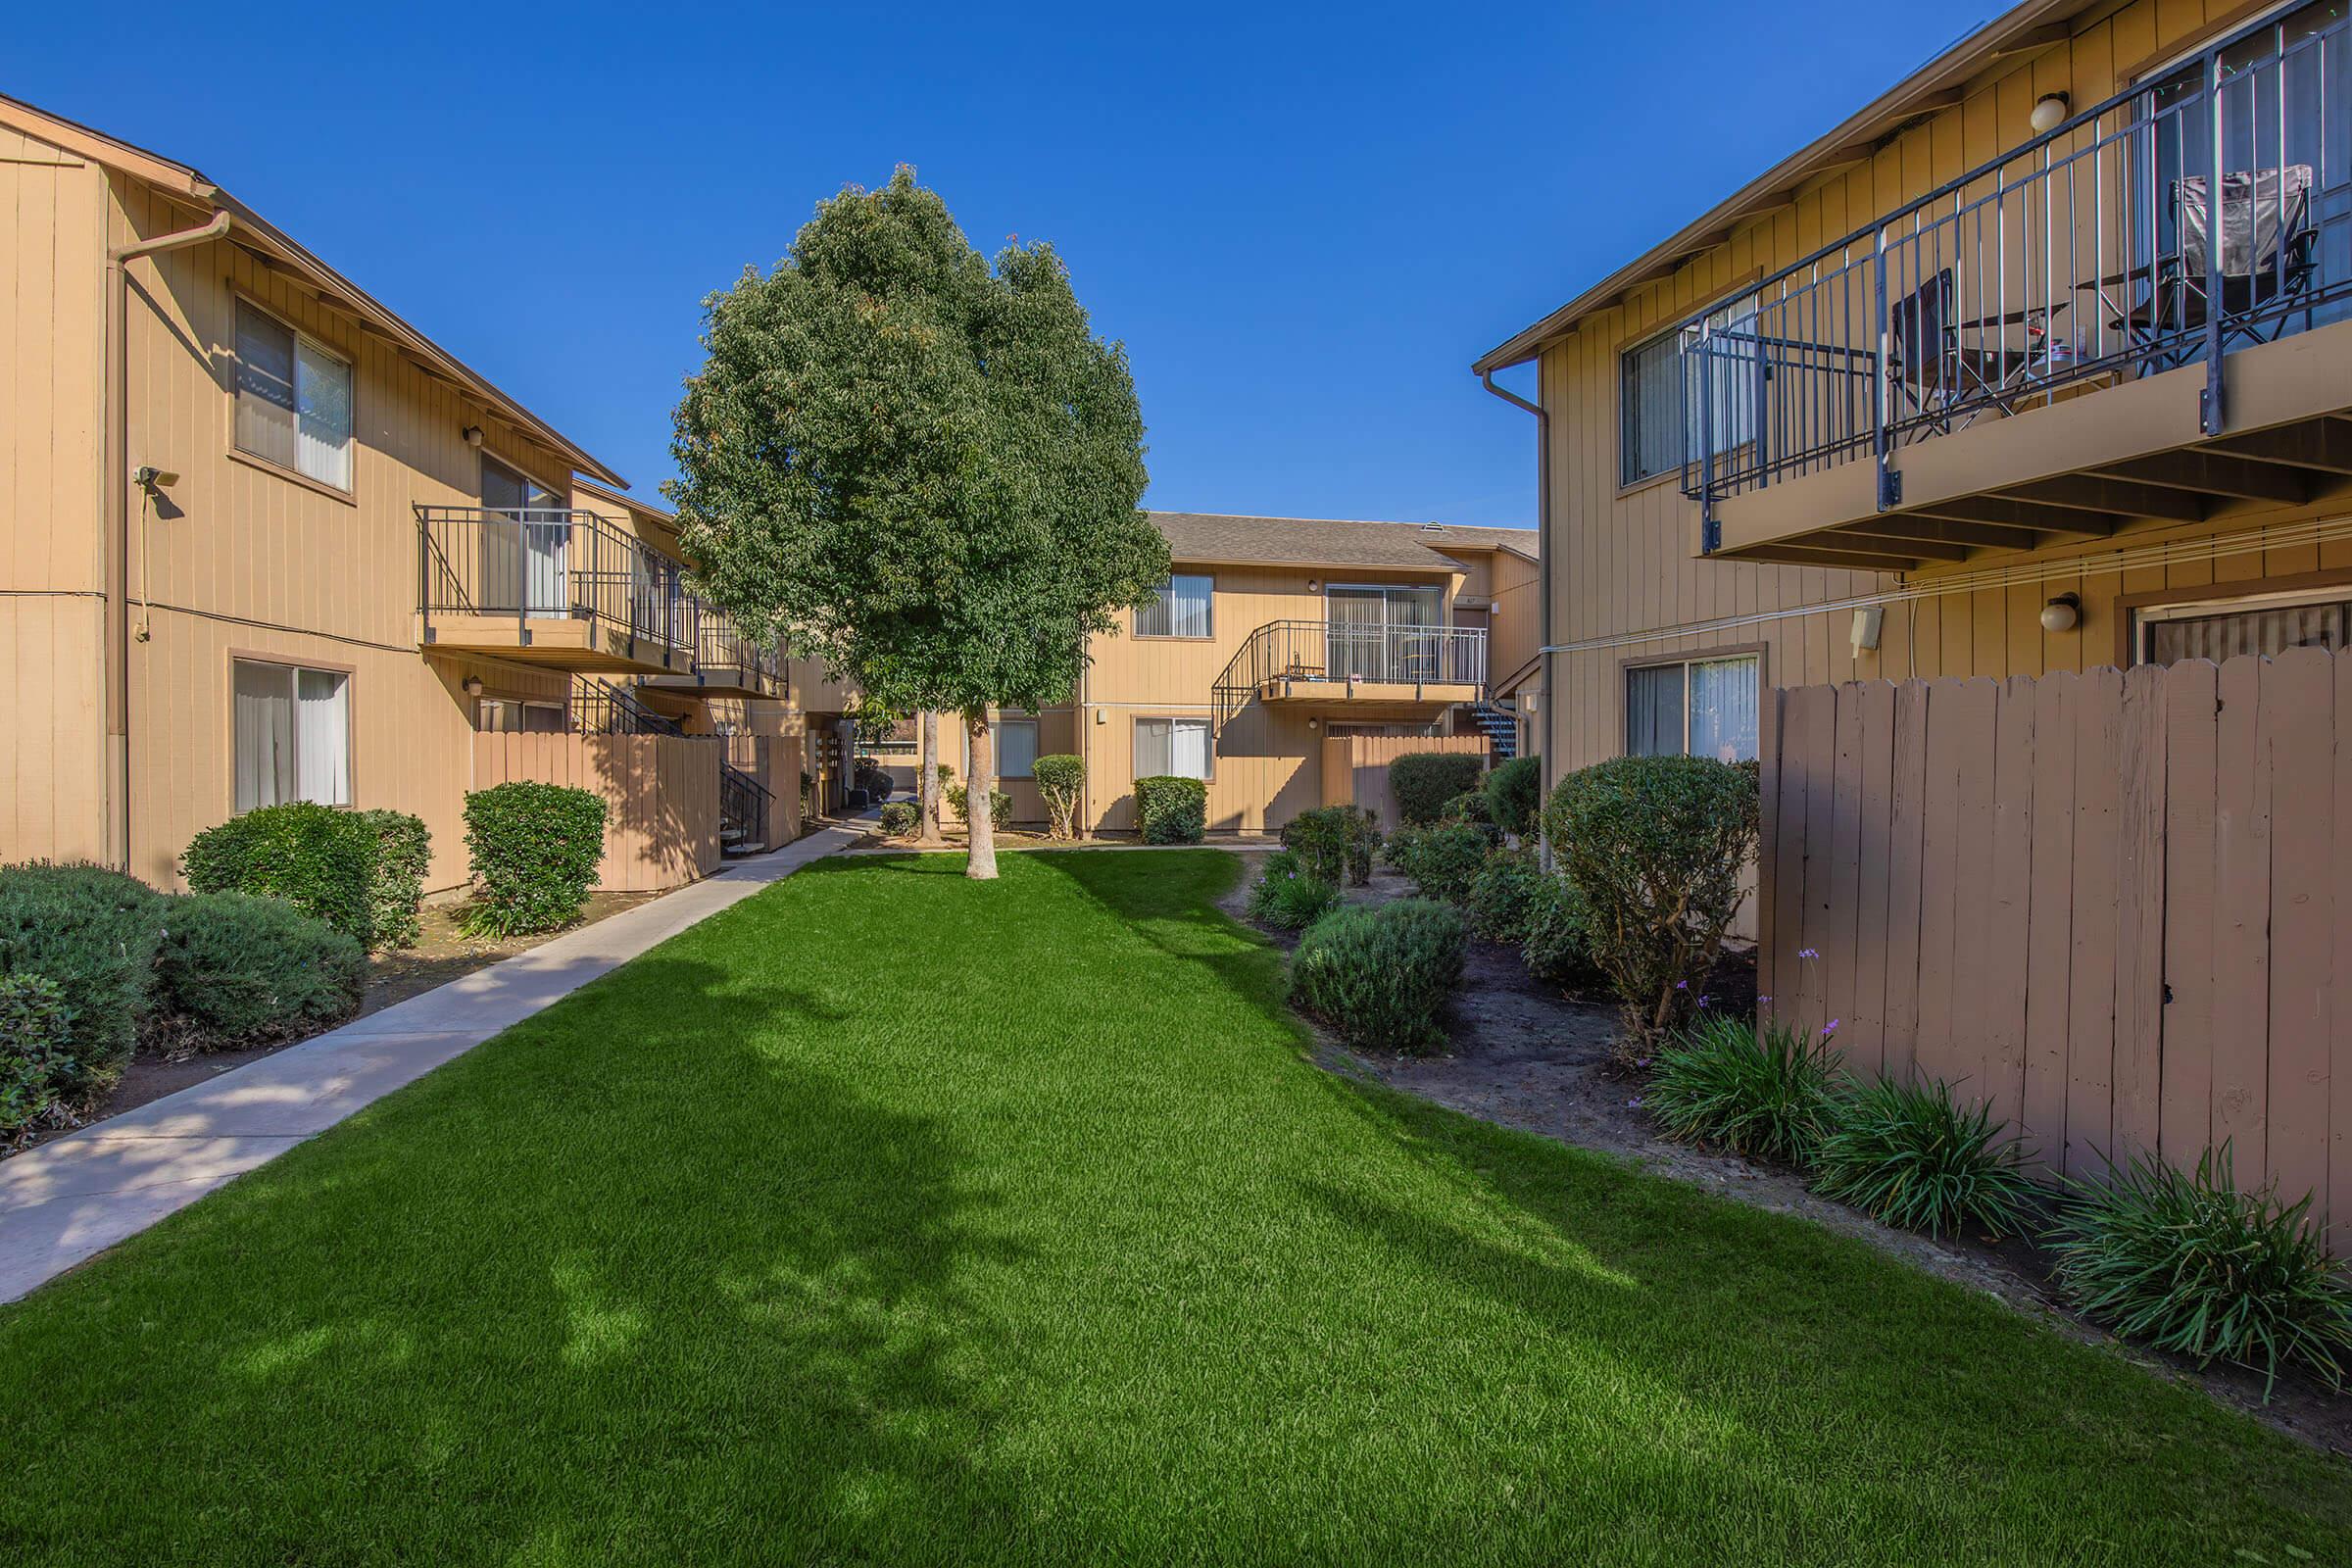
column 238, row 970
column 404, row 854
column 1422, row 782
column 1442, row 861
column 1381, row 975
column 321, row 860
column 535, row 849
column 900, row 819
column 1170, row 810
column 93, row 933
column 1515, row 794
column 36, row 1050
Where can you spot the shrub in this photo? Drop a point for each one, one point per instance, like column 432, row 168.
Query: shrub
column 92, row 932
column 1289, row 896
column 404, row 854
column 1514, row 790
column 1422, row 782
column 1336, row 843
column 901, row 819
column 1759, row 1091
column 1555, row 943
column 36, row 1050
column 1655, row 845
column 2193, row 1266
column 535, row 849
column 1380, row 975
column 1442, row 861
column 1171, row 810
column 320, row 859
column 238, row 970
column 1060, row 779
column 1502, row 895
column 1909, row 1155
column 1000, row 806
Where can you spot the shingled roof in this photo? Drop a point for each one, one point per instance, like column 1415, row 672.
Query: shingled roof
column 1215, row 536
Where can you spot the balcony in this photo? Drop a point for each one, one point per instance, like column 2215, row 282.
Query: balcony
column 726, row 663
column 1372, row 672
column 548, row 586
column 2061, row 344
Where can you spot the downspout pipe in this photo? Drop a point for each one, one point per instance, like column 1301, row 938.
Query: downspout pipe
column 115, row 488
column 1543, row 553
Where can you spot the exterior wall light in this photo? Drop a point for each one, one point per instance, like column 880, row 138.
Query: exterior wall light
column 2062, row 613
column 471, row 685
column 2049, row 111
column 473, row 435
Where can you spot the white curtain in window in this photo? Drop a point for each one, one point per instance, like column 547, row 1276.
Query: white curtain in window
column 545, row 545
column 262, row 718
column 1654, row 710
column 322, row 736
column 1187, row 748
column 2271, row 630
column 322, row 414
column 1181, row 611
column 1723, row 709
column 1016, row 747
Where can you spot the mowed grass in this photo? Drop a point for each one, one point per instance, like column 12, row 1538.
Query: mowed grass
column 895, row 1218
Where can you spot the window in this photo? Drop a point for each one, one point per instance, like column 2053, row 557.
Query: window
column 1172, row 748
column 1016, row 747
column 1182, row 609
column 524, row 563
column 292, row 735
column 293, row 400
column 1676, row 396
column 1706, row 708
column 508, row 715
column 2219, row 629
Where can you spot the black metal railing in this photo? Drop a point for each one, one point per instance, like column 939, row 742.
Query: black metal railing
column 602, row 707
column 743, row 806
column 721, row 648
column 545, row 563
column 1345, row 653
column 2098, row 249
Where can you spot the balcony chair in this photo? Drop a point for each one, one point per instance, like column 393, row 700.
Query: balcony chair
column 2268, row 256
column 1945, row 383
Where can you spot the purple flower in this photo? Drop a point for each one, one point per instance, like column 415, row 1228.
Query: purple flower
column 1682, row 985
column 1830, row 1028
column 1702, row 1002
column 1642, row 1063
column 1760, row 1001
column 1634, row 1103
column 1809, row 953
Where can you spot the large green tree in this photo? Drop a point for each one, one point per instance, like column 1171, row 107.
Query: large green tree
column 925, row 466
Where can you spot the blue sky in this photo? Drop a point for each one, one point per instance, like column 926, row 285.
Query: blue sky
column 1305, row 222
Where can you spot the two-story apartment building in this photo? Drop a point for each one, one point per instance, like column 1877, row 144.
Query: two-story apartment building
column 2038, row 361
column 261, row 539
column 1273, row 634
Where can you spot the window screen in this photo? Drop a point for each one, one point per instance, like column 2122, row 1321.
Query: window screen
column 1182, row 609
column 1016, row 747
column 291, row 735
column 1173, row 748
column 293, row 400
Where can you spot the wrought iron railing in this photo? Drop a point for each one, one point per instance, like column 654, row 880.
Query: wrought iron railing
column 721, row 647
column 743, row 806
column 2091, row 251
column 602, row 707
column 545, row 563
column 1347, row 654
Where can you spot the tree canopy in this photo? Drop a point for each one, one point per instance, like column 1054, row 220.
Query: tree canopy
column 924, row 466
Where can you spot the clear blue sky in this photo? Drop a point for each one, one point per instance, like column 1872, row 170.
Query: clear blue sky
column 1304, row 224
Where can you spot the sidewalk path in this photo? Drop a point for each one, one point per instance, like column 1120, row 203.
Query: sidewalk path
column 80, row 1194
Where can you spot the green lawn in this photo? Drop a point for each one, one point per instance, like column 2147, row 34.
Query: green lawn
column 895, row 1218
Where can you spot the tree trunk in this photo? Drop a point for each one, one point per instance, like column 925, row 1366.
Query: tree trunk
column 926, row 783
column 979, row 788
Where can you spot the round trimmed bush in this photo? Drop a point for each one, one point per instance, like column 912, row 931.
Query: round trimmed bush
column 900, row 819
column 535, row 849
column 1336, row 843
column 1381, row 974
column 1442, row 861
column 1289, row 896
column 36, row 1050
column 92, row 932
column 1171, row 810
column 1423, row 782
column 1514, row 795
column 1061, row 778
column 404, row 854
column 320, row 859
column 1910, row 1155
column 237, row 970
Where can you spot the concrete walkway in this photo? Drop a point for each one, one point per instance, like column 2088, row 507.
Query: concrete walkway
column 80, row 1194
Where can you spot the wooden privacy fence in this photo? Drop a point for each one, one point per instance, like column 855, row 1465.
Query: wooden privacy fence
column 2105, row 903
column 661, row 797
column 1355, row 767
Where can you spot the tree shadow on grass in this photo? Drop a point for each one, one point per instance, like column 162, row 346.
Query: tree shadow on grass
column 640, row 1280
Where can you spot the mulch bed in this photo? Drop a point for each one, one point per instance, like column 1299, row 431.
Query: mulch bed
column 1528, row 1057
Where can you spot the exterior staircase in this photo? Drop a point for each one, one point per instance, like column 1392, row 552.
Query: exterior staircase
column 1501, row 726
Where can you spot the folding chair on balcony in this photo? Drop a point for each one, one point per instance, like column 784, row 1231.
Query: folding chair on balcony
column 2268, row 256
column 1943, row 383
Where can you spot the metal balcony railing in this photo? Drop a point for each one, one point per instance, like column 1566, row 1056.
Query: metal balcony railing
column 541, row 563
column 1344, row 653
column 2092, row 251
column 721, row 646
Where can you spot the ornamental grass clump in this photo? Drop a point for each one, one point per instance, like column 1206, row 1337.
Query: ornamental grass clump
column 2189, row 1265
column 1288, row 896
column 1758, row 1091
column 1381, row 974
column 1911, row 1157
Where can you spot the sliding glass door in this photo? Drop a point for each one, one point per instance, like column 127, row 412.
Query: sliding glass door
column 1370, row 631
column 523, row 560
